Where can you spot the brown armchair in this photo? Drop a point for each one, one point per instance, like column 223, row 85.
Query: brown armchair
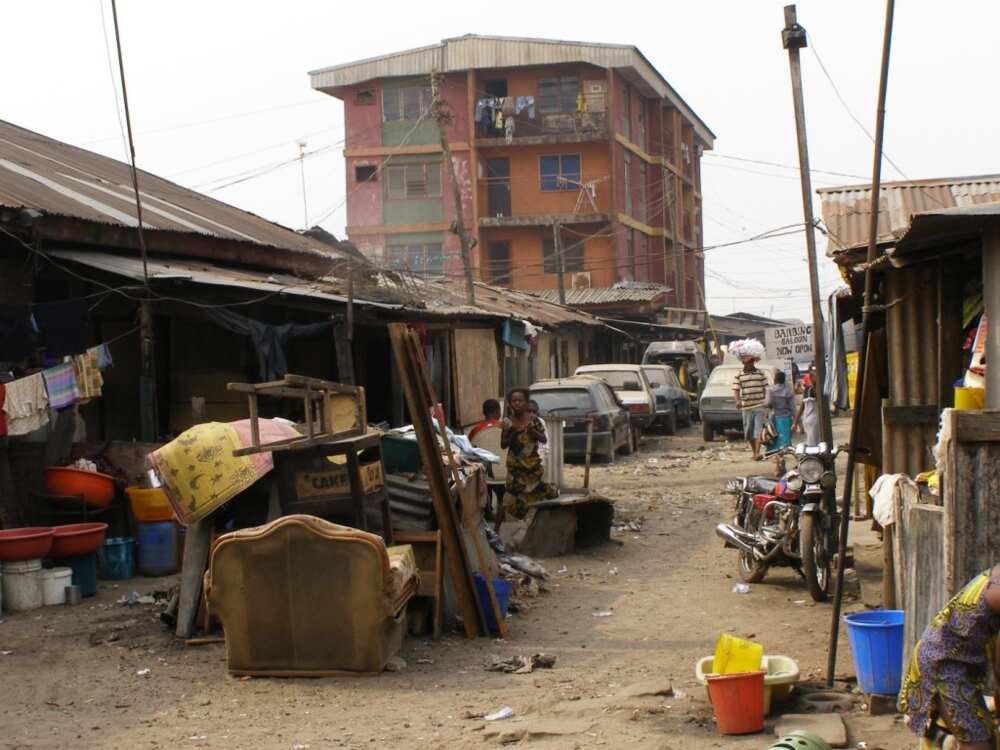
column 301, row 596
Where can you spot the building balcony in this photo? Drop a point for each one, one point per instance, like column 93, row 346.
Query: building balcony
column 542, row 220
column 569, row 127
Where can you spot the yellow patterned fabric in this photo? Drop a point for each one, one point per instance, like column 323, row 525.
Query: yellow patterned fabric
column 199, row 471
column 89, row 381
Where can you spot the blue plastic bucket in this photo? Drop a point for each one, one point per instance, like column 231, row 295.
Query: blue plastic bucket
column 157, row 548
column 116, row 559
column 502, row 589
column 84, row 569
column 877, row 645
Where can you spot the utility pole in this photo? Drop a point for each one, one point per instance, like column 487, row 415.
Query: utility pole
column 859, row 386
column 560, row 265
column 443, row 116
column 793, row 38
column 302, row 169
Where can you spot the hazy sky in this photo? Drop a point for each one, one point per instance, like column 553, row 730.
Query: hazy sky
column 219, row 92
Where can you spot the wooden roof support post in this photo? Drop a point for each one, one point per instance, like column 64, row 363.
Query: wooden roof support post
column 991, row 298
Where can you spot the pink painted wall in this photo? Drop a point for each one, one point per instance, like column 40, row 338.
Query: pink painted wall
column 364, row 121
column 364, row 199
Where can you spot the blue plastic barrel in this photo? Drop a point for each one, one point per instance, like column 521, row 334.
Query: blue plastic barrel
column 84, row 569
column 116, row 559
column 502, row 590
column 877, row 644
column 157, row 548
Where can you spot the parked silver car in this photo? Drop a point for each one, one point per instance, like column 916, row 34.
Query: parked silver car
column 673, row 405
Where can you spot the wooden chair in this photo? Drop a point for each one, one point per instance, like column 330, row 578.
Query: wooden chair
column 428, row 553
column 489, row 438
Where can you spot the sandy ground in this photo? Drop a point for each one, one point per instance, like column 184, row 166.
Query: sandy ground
column 72, row 677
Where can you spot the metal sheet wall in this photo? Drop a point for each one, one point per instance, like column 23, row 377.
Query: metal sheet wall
column 912, row 328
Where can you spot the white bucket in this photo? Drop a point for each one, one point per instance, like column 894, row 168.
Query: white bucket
column 54, row 583
column 22, row 585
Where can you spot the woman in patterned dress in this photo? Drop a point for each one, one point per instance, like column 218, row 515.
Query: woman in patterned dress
column 945, row 684
column 521, row 434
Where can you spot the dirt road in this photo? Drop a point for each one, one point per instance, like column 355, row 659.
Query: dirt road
column 75, row 677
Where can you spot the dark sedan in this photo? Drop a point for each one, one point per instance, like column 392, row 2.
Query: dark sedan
column 583, row 400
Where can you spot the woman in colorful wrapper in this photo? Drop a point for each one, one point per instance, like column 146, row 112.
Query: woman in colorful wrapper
column 944, row 689
column 521, row 434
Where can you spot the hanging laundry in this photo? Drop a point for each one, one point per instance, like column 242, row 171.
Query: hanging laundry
column 60, row 381
column 507, row 106
column 17, row 335
column 89, row 380
column 580, row 103
column 63, row 326
column 498, row 119
column 525, row 102
column 269, row 341
column 508, row 130
column 480, row 107
column 26, row 405
column 104, row 360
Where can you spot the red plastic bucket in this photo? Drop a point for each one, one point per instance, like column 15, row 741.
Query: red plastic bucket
column 738, row 700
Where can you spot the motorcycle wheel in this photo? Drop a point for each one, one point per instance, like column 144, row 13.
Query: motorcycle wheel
column 815, row 561
column 751, row 569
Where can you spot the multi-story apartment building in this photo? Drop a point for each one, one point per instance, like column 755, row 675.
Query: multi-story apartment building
column 586, row 139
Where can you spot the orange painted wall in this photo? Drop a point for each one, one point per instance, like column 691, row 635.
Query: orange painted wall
column 527, row 197
column 524, row 81
column 526, row 255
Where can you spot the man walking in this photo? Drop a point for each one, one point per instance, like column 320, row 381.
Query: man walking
column 750, row 390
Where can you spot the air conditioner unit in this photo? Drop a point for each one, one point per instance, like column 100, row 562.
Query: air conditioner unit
column 581, row 280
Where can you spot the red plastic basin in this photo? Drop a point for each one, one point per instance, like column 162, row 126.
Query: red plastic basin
column 28, row 543
column 77, row 539
column 97, row 489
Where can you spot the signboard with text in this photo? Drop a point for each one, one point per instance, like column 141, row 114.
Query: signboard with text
column 790, row 342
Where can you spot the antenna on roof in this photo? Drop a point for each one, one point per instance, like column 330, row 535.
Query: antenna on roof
column 302, row 167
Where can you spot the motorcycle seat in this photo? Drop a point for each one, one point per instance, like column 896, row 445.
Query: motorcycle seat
column 757, row 485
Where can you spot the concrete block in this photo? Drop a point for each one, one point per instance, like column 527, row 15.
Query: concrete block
column 830, row 727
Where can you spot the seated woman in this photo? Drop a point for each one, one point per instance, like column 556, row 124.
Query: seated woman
column 944, row 687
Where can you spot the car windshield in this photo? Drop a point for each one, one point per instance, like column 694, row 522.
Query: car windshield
column 563, row 399
column 656, row 375
column 620, row 380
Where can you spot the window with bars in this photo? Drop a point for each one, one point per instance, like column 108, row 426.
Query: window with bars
column 559, row 172
column 405, row 102
column 558, row 94
column 403, row 181
column 572, row 256
column 419, row 257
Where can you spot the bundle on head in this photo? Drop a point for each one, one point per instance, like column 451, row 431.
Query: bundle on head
column 747, row 349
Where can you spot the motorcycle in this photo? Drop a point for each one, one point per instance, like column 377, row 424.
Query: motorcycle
column 791, row 522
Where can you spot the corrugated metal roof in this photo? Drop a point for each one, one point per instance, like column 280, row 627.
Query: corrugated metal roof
column 438, row 298
column 473, row 51
column 932, row 232
column 847, row 210
column 209, row 274
column 619, row 293
column 58, row 179
column 449, row 298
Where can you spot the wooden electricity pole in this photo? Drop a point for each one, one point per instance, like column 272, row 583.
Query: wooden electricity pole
column 443, row 116
column 793, row 38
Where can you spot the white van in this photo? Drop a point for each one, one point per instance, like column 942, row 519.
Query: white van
column 717, row 406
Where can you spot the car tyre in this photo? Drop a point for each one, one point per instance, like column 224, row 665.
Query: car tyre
column 670, row 423
column 687, row 420
column 707, row 431
column 631, row 443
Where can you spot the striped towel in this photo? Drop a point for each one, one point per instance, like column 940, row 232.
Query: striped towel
column 60, row 381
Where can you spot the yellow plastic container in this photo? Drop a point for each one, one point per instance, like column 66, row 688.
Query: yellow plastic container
column 969, row 399
column 734, row 655
column 149, row 505
column 780, row 675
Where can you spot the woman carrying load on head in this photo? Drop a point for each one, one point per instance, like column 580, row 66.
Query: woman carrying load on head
column 944, row 689
column 521, row 434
